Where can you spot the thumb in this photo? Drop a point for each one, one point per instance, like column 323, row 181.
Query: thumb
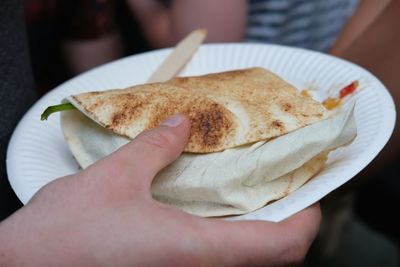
column 141, row 159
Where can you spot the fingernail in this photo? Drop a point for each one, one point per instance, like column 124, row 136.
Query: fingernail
column 173, row 121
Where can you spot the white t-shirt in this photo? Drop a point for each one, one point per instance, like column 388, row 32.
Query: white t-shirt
column 312, row 24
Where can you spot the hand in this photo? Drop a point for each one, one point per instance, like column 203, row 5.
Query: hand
column 105, row 216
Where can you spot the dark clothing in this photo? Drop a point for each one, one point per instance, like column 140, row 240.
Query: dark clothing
column 53, row 23
column 16, row 89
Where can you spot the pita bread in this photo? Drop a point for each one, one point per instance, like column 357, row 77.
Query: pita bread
column 227, row 109
column 235, row 181
column 259, row 139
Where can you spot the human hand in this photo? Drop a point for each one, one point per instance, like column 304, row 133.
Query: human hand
column 105, row 216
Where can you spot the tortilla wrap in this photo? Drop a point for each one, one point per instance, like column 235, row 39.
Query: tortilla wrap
column 238, row 178
column 226, row 110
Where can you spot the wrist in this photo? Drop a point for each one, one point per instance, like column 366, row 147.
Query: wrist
column 15, row 242
column 27, row 238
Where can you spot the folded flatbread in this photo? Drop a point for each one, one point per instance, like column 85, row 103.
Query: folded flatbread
column 254, row 138
column 226, row 109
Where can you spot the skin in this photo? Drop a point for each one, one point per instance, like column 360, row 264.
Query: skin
column 105, row 216
column 366, row 13
column 225, row 20
column 83, row 55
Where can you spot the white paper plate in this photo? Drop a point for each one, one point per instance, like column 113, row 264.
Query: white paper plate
column 37, row 153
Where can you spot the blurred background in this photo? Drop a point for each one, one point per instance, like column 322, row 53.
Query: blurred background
column 69, row 37
column 361, row 226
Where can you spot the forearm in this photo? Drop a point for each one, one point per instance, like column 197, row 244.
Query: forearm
column 366, row 13
column 225, row 20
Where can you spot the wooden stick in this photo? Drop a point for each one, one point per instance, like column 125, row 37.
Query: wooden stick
column 178, row 58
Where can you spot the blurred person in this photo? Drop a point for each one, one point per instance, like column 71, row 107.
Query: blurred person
column 70, row 37
column 19, row 90
column 91, row 35
column 44, row 39
column 166, row 22
column 309, row 24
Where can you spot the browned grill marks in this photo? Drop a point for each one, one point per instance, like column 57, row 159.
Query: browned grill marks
column 210, row 126
column 217, row 104
column 286, row 107
column 278, row 124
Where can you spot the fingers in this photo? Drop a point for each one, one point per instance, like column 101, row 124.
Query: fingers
column 306, row 222
column 258, row 243
column 141, row 159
